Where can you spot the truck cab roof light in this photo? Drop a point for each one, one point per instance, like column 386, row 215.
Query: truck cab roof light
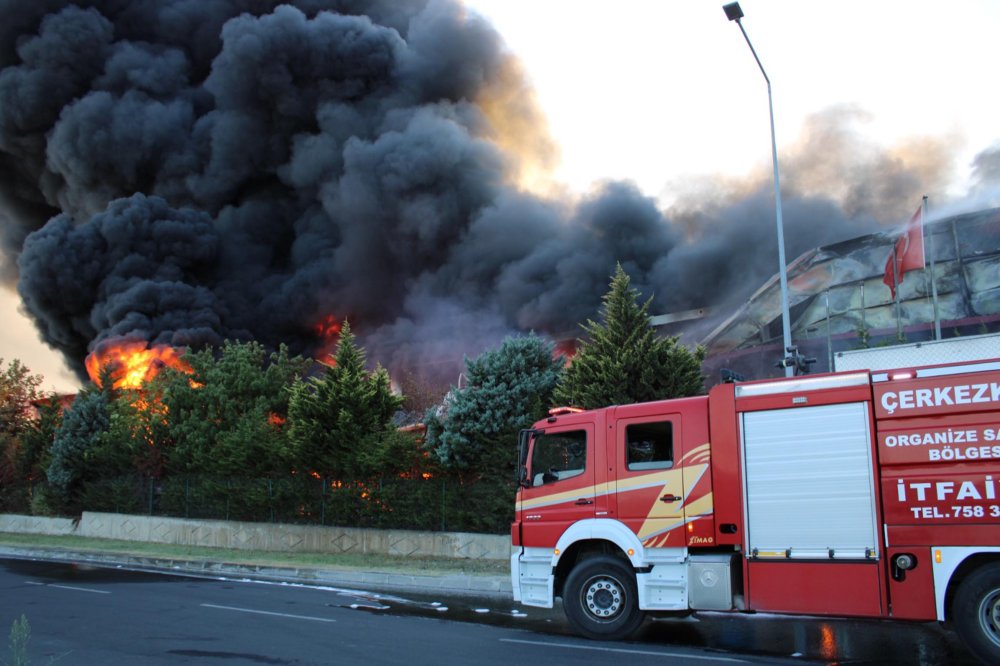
column 559, row 411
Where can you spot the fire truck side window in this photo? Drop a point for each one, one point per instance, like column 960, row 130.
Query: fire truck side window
column 558, row 456
column 650, row 446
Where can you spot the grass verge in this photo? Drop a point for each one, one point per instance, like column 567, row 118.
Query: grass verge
column 344, row 561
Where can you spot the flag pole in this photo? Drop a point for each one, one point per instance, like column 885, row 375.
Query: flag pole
column 829, row 336
column 895, row 289
column 864, row 319
column 934, row 294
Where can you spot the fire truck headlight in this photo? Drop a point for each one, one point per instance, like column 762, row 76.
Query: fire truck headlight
column 906, row 561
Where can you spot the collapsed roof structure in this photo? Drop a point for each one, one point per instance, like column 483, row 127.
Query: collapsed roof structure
column 838, row 300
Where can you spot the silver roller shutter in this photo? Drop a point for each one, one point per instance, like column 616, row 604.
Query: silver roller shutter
column 808, row 483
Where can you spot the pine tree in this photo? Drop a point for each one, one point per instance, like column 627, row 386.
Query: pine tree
column 474, row 433
column 336, row 420
column 224, row 418
column 509, row 388
column 82, row 429
column 622, row 361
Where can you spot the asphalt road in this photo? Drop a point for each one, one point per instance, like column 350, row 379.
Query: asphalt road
column 88, row 615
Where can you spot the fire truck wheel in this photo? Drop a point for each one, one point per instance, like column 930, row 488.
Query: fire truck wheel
column 601, row 600
column 977, row 613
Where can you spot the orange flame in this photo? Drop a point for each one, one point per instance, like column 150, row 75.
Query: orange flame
column 568, row 348
column 132, row 363
column 328, row 332
column 828, row 641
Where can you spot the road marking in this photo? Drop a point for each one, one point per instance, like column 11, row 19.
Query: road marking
column 260, row 612
column 67, row 587
column 675, row 655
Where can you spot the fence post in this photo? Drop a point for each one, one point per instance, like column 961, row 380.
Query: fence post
column 270, row 497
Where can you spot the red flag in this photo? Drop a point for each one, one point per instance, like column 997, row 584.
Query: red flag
column 908, row 252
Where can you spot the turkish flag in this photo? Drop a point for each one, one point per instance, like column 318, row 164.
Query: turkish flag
column 908, row 252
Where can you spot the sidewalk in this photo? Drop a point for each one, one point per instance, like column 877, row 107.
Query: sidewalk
column 382, row 580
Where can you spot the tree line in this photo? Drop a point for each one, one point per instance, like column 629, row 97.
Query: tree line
column 277, row 437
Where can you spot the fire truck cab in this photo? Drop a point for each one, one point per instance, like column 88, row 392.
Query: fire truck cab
column 846, row 494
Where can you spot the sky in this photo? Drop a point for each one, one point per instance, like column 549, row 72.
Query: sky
column 658, row 91
column 663, row 93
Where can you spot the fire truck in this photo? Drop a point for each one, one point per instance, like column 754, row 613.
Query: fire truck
column 863, row 494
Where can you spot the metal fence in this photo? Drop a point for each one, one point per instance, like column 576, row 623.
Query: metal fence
column 430, row 504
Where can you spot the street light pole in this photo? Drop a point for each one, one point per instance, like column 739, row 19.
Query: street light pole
column 734, row 13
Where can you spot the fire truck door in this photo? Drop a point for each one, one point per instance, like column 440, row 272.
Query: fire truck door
column 651, row 489
column 561, row 477
column 812, row 524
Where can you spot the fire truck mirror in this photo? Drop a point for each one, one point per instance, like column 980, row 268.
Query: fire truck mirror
column 523, row 439
column 522, row 476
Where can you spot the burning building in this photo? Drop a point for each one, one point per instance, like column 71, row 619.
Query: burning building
column 838, row 300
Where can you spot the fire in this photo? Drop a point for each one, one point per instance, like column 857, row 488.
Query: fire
column 132, row 363
column 828, row 642
column 328, row 332
column 567, row 348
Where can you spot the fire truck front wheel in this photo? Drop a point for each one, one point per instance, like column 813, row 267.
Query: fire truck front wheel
column 601, row 600
column 977, row 613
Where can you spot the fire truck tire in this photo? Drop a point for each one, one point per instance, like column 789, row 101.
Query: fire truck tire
column 977, row 613
column 601, row 600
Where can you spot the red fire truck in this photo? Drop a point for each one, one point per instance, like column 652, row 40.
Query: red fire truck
column 865, row 494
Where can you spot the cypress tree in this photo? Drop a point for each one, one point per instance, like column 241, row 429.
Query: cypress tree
column 622, row 361
column 334, row 418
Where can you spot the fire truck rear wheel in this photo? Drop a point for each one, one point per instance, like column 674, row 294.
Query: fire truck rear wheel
column 601, row 600
column 977, row 613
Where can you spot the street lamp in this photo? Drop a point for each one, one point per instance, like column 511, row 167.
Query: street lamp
column 734, row 13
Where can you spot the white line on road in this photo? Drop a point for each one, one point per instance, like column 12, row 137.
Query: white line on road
column 67, row 587
column 674, row 655
column 260, row 612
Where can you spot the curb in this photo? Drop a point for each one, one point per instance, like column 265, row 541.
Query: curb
column 455, row 584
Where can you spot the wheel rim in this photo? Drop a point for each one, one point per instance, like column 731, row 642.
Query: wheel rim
column 603, row 598
column 989, row 616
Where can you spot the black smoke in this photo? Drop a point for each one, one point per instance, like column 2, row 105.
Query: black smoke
column 185, row 172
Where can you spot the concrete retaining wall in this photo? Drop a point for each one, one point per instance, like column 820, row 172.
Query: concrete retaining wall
column 265, row 536
column 10, row 522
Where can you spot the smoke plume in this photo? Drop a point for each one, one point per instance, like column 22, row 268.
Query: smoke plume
column 185, row 172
